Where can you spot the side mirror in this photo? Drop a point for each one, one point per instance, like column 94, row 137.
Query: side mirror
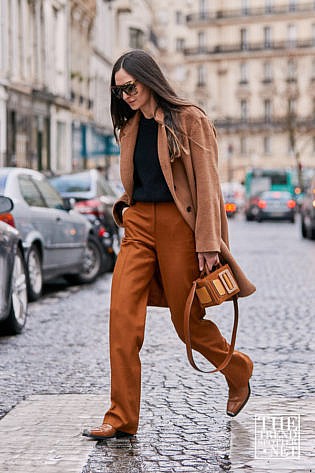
column 6, row 204
column 68, row 204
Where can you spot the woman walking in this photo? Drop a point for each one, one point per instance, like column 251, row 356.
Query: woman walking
column 175, row 224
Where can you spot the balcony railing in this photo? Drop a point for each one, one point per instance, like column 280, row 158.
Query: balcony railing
column 264, row 123
column 250, row 47
column 206, row 16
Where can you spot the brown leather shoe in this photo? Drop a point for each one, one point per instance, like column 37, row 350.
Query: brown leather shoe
column 237, row 400
column 105, row 431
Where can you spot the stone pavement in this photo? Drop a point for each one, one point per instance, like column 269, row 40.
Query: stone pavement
column 43, row 435
column 282, row 449
column 55, row 376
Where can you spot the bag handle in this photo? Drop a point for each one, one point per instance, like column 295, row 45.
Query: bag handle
column 187, row 312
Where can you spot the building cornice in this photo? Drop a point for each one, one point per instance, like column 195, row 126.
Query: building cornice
column 250, row 15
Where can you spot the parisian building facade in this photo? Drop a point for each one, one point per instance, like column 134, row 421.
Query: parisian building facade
column 34, row 86
column 55, row 64
column 251, row 66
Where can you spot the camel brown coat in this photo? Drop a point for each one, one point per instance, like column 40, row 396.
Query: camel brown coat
column 194, row 184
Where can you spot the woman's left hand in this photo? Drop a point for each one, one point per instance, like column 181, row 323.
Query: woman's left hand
column 210, row 258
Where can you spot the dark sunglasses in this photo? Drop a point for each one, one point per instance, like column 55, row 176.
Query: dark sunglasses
column 129, row 88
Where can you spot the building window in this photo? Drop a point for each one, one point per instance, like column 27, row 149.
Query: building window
column 292, row 70
column 244, row 44
column 268, row 6
column 245, row 9
column 291, row 36
column 179, row 17
column 243, row 73
column 243, row 145
column 267, row 110
column 267, row 71
column 136, row 38
column 291, row 106
column 267, row 37
column 292, row 5
column 180, row 44
column 313, row 34
column 201, row 41
column 201, row 76
column 244, row 110
column 267, row 145
column 202, row 9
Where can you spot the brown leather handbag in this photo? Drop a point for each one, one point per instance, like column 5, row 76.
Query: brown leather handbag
column 212, row 288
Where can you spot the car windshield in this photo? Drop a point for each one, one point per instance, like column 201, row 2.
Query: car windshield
column 72, row 183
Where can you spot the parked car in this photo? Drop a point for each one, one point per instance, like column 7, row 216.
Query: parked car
column 57, row 240
column 234, row 192
column 308, row 212
column 230, row 208
column 277, row 205
column 92, row 196
column 91, row 193
column 13, row 289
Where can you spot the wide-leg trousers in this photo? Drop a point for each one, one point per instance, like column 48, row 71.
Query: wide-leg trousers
column 156, row 234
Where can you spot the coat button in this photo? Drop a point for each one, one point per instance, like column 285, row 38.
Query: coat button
column 175, row 188
column 188, row 209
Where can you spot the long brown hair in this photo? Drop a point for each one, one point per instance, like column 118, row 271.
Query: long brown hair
column 143, row 68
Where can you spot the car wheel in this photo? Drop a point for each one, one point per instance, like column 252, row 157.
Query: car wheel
column 14, row 324
column 109, row 264
column 292, row 219
column 92, row 263
column 303, row 228
column 34, row 273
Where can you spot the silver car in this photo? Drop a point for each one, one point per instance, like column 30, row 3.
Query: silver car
column 56, row 239
column 13, row 291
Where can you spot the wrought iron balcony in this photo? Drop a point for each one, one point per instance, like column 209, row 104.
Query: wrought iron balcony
column 208, row 17
column 250, row 47
column 265, row 124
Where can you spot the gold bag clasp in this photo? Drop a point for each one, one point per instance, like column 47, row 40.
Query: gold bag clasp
column 228, row 281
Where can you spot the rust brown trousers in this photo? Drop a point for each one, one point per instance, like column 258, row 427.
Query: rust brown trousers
column 156, row 235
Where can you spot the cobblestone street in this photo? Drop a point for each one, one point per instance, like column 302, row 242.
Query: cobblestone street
column 54, row 378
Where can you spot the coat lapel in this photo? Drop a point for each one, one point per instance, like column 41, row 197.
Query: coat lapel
column 163, row 151
column 128, row 138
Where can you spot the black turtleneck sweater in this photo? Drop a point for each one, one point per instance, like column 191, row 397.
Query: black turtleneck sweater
column 149, row 181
